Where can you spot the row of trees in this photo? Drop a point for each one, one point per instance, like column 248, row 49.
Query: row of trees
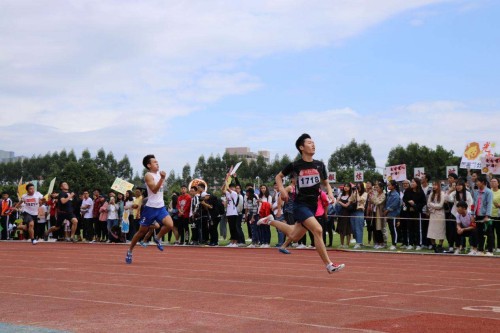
column 84, row 172
column 100, row 170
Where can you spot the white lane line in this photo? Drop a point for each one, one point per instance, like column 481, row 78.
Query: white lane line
column 72, row 299
column 364, row 297
column 435, row 290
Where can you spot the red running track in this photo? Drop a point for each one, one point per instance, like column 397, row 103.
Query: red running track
column 89, row 288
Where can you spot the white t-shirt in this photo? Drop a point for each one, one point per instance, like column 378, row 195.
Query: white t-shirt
column 231, row 198
column 155, row 200
column 31, row 203
column 42, row 213
column 464, row 221
column 112, row 212
column 88, row 213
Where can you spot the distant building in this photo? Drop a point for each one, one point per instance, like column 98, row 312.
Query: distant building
column 244, row 152
column 9, row 156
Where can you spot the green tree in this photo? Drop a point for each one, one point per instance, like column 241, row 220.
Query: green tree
column 353, row 156
column 415, row 156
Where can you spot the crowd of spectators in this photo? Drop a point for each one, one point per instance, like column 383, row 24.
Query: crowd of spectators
column 413, row 215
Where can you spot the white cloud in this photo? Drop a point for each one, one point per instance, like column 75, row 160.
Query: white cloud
column 96, row 72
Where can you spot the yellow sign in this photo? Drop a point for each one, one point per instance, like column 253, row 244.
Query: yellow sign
column 121, row 186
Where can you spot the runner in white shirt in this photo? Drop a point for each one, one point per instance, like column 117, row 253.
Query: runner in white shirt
column 31, row 201
column 154, row 210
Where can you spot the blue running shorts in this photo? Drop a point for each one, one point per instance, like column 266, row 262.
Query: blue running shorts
column 150, row 215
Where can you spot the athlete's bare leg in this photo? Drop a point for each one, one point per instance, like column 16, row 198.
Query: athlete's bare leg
column 293, row 232
column 138, row 235
column 74, row 225
column 313, row 225
column 168, row 224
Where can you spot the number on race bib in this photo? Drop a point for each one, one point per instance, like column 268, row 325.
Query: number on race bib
column 308, row 181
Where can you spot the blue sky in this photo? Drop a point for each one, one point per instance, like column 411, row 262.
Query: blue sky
column 185, row 78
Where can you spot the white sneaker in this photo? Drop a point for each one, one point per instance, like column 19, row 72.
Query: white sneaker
column 409, row 247
column 265, row 246
column 376, row 247
column 392, row 248
column 418, row 248
column 429, row 247
column 497, row 250
column 251, row 245
column 295, row 244
column 357, row 246
column 301, row 246
column 451, row 249
column 489, row 254
column 229, row 245
column 248, row 240
column 34, row 241
column 353, row 241
column 457, row 251
column 265, row 220
column 472, row 253
column 332, row 268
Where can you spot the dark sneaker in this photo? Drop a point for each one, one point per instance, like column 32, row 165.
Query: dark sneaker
column 332, row 268
column 158, row 243
column 128, row 258
column 283, row 250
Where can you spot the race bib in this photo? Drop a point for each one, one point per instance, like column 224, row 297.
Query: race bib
column 308, row 178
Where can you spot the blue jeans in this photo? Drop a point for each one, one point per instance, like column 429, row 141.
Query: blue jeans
column 281, row 235
column 111, row 224
column 357, row 225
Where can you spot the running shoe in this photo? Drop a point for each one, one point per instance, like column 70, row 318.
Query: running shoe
column 332, row 268
column 143, row 244
column 158, row 243
column 283, row 250
column 266, row 220
column 392, row 248
column 128, row 257
column 34, row 241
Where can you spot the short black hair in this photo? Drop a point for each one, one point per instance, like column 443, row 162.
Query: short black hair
column 202, row 186
column 29, row 185
column 452, row 174
column 183, row 186
column 462, row 204
column 61, row 182
column 300, row 141
column 482, row 179
column 428, row 176
column 147, row 159
column 194, row 188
